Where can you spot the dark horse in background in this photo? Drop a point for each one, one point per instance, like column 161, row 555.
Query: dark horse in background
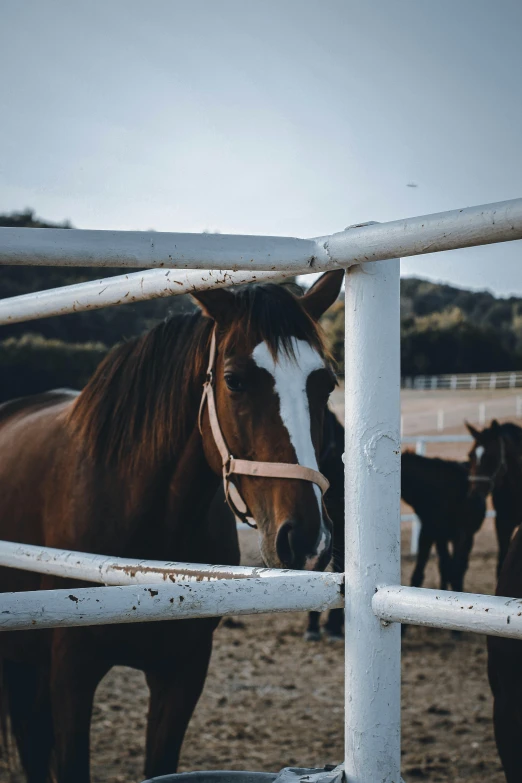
column 124, row 469
column 437, row 490
column 496, row 459
column 496, row 468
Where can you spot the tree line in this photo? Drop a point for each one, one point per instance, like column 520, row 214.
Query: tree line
column 445, row 329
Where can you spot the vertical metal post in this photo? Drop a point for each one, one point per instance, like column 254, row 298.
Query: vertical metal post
column 372, row 529
column 440, row 420
column 482, row 413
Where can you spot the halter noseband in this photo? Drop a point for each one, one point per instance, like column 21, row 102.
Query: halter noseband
column 245, row 467
column 500, row 467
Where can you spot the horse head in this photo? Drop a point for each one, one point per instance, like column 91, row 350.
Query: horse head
column 267, row 386
column 487, row 458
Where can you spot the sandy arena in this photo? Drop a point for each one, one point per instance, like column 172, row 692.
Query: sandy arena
column 271, row 700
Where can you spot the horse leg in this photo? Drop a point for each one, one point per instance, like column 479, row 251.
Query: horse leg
column 312, row 633
column 425, row 544
column 334, row 625
column 75, row 674
column 417, row 578
column 445, row 564
column 505, row 679
column 27, row 693
column 174, row 692
column 461, row 553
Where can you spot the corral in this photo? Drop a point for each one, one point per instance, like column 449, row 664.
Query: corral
column 372, row 706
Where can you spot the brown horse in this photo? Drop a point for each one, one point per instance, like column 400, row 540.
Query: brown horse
column 496, row 467
column 124, row 469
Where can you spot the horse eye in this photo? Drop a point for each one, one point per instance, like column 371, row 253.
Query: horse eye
column 234, row 382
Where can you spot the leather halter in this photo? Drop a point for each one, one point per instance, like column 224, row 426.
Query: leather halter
column 500, row 467
column 245, row 467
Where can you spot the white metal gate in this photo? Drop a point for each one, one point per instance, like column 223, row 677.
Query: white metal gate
column 375, row 602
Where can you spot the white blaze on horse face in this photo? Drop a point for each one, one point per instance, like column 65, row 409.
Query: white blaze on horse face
column 290, row 378
column 479, row 451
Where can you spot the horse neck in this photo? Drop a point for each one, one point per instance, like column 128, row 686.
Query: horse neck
column 514, row 467
column 138, row 444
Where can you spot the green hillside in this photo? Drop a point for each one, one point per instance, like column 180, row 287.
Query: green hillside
column 449, row 330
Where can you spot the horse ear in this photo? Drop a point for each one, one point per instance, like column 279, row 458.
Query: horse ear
column 323, row 293
column 494, row 426
column 216, row 303
column 476, row 434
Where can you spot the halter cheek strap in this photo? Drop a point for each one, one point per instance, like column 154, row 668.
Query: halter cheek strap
column 233, row 467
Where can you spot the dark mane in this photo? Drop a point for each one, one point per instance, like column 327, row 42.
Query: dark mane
column 512, row 431
column 271, row 313
column 138, row 402
column 142, row 400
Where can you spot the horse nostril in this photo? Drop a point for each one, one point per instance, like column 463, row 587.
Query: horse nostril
column 295, row 549
column 284, row 543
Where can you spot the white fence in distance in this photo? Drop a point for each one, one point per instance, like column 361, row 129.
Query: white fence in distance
column 494, row 380
column 442, row 418
column 372, row 422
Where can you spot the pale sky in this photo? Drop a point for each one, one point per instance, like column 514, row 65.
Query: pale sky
column 291, row 117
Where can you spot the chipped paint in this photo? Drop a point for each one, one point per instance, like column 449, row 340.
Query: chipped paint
column 484, row 614
column 140, row 603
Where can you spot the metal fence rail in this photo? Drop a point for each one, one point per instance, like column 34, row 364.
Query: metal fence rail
column 488, row 614
column 122, row 571
column 153, row 603
column 376, row 601
column 459, row 228
column 122, row 289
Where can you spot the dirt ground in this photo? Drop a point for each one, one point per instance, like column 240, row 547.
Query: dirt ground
column 273, row 700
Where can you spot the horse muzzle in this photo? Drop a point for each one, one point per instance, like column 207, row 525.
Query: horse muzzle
column 294, row 550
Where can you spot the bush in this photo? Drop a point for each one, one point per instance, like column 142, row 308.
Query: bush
column 33, row 364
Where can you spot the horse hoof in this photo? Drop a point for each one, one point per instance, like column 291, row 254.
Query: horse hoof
column 312, row 636
column 333, row 637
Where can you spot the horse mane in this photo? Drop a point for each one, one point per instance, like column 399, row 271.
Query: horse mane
column 512, row 431
column 139, row 405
